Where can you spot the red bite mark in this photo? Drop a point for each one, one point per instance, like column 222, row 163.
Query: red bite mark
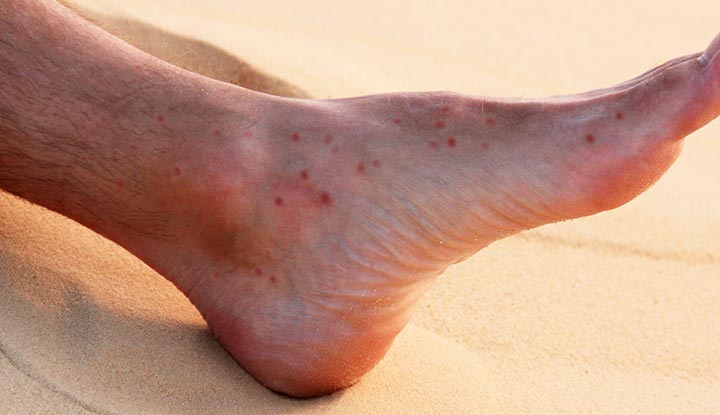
column 434, row 144
column 451, row 142
column 490, row 121
column 273, row 279
column 325, row 199
column 304, row 174
column 248, row 134
column 295, row 137
column 279, row 201
column 328, row 139
column 177, row 171
column 440, row 125
column 445, row 108
column 590, row 139
column 161, row 119
column 619, row 115
column 259, row 272
column 396, row 120
column 376, row 163
column 361, row 168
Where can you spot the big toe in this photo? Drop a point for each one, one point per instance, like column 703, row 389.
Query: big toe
column 712, row 50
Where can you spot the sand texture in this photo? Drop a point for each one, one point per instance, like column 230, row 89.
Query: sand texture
column 612, row 314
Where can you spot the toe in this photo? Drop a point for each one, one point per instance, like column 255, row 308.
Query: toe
column 713, row 49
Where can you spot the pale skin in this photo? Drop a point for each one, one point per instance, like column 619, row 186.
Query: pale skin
column 305, row 231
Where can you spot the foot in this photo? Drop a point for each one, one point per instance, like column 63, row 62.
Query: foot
column 306, row 238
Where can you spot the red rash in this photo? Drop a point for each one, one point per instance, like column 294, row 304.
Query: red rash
column 590, row 139
column 273, row 279
column 177, row 171
column 248, row 134
column 328, row 139
column 120, row 184
column 216, row 133
column 440, row 125
column 490, row 121
column 434, row 144
column 325, row 199
column 161, row 119
column 279, row 201
column 295, row 137
column 445, row 108
column 335, row 149
column 258, row 271
column 304, row 175
column 361, row 168
column 376, row 163
column 451, row 142
column 485, row 146
column 397, row 120
column 619, row 115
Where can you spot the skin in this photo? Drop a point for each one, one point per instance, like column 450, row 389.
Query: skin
column 305, row 231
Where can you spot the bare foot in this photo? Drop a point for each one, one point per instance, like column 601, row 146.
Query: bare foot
column 307, row 237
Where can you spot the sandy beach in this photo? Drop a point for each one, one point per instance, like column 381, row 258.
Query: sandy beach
column 611, row 314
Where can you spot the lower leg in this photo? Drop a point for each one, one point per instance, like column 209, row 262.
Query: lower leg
column 305, row 231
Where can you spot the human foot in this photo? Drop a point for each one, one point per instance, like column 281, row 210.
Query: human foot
column 306, row 238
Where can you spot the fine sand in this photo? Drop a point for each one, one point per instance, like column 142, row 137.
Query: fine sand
column 613, row 314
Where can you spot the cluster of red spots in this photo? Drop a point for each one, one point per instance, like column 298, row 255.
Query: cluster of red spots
column 619, row 115
column 590, row 138
column 259, row 272
column 440, row 125
column 451, row 142
column 304, row 175
column 295, row 137
column 328, row 139
column 396, row 120
column 279, row 201
column 325, row 198
column 361, row 167
column 161, row 119
column 248, row 134
column 490, row 121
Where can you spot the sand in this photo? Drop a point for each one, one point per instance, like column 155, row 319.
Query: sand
column 612, row 314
